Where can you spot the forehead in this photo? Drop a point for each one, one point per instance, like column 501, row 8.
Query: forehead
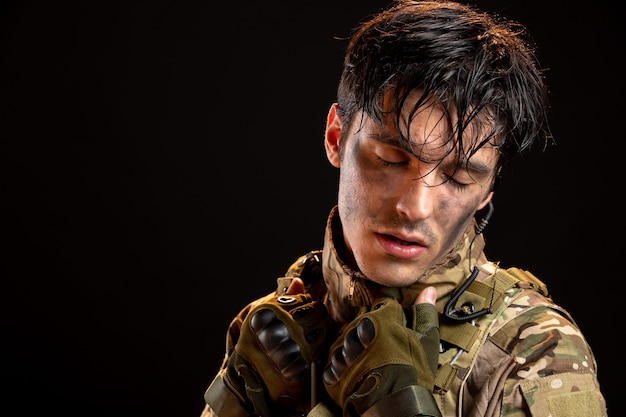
column 431, row 131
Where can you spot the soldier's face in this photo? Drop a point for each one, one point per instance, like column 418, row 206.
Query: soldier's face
column 401, row 214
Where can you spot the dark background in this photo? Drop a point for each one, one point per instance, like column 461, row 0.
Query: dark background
column 162, row 163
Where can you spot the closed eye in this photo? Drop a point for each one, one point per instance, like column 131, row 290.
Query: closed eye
column 386, row 163
column 456, row 184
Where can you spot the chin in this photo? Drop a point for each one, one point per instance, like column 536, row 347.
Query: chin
column 392, row 281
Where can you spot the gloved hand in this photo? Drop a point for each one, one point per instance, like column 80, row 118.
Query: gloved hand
column 384, row 362
column 280, row 338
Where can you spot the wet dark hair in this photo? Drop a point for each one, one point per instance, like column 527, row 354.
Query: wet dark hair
column 481, row 65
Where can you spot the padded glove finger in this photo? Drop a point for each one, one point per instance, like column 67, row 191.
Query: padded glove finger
column 289, row 329
column 379, row 365
column 424, row 320
column 279, row 340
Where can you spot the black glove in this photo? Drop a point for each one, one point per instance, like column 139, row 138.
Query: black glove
column 270, row 368
column 384, row 362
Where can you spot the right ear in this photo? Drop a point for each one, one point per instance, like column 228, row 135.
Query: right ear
column 332, row 136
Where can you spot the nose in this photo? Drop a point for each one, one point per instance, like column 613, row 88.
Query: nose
column 417, row 199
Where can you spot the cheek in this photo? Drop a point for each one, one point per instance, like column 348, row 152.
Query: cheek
column 367, row 174
column 461, row 225
column 457, row 224
column 355, row 178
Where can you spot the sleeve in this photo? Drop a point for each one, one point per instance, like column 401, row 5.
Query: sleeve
column 552, row 370
column 218, row 391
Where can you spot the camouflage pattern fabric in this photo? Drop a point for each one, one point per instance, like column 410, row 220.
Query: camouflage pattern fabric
column 527, row 358
column 530, row 359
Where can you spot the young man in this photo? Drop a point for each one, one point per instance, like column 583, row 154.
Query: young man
column 401, row 313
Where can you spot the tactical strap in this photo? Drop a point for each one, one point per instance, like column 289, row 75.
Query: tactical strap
column 527, row 279
column 489, row 292
column 462, row 335
column 444, row 377
column 481, row 295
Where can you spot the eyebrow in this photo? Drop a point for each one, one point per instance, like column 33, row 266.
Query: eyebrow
column 385, row 138
column 477, row 167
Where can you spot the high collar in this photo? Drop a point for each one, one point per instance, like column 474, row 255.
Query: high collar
column 349, row 289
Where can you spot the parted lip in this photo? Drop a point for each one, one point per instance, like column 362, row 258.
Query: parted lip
column 399, row 246
column 403, row 238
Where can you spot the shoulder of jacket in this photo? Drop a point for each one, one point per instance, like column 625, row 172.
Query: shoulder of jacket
column 527, row 296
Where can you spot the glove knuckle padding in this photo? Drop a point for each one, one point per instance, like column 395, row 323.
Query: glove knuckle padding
column 279, row 339
column 381, row 353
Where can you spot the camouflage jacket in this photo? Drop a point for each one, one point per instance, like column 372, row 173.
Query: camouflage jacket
column 526, row 357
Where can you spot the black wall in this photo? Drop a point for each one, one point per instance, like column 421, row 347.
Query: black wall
column 162, row 163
